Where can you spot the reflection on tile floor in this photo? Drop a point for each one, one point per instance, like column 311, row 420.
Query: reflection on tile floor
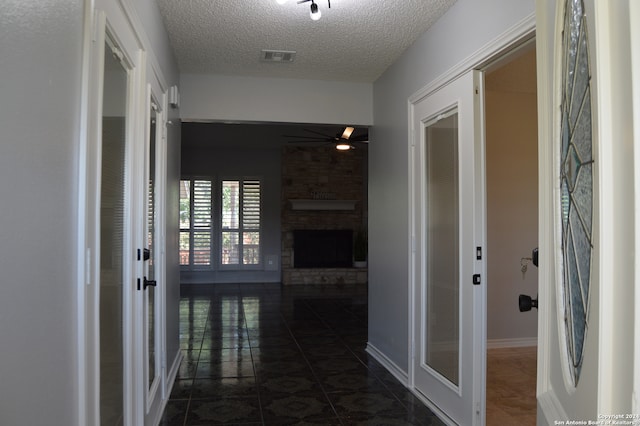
column 264, row 354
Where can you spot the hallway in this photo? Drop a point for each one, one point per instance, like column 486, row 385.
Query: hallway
column 264, row 354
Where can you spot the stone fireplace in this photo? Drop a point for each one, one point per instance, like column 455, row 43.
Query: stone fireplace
column 323, row 204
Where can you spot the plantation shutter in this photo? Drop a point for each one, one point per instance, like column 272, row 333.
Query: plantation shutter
column 201, row 222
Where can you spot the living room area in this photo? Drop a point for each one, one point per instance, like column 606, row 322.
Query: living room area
column 269, row 203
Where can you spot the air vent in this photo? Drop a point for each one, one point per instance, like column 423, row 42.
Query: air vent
column 278, row 55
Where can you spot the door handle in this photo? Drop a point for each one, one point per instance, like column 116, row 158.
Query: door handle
column 146, row 283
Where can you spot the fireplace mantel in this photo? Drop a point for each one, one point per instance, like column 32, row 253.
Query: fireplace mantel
column 301, row 204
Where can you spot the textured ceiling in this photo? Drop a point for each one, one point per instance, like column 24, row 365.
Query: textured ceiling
column 355, row 40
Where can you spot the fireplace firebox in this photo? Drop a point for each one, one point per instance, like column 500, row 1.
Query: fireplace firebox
column 327, row 248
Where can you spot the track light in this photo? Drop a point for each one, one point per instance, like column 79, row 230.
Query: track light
column 315, row 13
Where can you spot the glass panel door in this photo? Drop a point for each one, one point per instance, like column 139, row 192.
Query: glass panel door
column 448, row 226
column 112, row 237
column 442, row 336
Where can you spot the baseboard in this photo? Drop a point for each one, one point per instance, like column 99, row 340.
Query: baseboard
column 392, row 367
column 512, row 343
column 173, row 373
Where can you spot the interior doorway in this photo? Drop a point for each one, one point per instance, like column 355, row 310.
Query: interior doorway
column 512, row 234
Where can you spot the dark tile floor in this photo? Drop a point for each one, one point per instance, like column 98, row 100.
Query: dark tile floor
column 264, row 354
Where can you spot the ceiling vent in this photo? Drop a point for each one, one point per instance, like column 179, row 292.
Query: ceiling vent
column 277, row 55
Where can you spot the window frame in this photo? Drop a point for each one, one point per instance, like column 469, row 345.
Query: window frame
column 192, row 229
column 241, row 228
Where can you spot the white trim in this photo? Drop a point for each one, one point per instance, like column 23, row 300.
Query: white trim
column 547, row 310
column 387, row 363
column 519, row 342
column 83, row 254
column 634, row 16
column 550, row 408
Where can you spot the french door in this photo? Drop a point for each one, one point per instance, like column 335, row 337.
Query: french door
column 448, row 358
column 121, row 296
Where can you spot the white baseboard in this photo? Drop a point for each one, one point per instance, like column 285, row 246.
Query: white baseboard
column 512, row 343
column 173, row 373
column 392, row 367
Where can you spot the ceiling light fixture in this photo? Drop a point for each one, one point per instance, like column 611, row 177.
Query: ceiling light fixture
column 343, row 146
column 315, row 13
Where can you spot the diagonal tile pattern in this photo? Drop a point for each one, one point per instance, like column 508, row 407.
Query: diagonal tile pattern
column 266, row 354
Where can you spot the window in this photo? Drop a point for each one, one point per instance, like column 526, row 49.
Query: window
column 236, row 223
column 195, row 222
column 240, row 222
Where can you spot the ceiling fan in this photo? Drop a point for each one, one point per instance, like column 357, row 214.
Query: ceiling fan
column 343, row 140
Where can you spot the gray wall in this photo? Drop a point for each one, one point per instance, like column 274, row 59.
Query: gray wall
column 40, row 121
column 463, row 30
column 220, row 151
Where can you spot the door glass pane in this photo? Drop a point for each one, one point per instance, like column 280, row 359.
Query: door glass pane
column 151, row 216
column 112, row 209
column 442, row 231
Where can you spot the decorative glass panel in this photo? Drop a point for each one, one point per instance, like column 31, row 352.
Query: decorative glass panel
column 576, row 182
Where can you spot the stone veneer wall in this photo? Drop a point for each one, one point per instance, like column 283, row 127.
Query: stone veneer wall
column 321, row 173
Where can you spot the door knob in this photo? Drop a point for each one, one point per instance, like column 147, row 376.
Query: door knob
column 146, row 283
column 526, row 303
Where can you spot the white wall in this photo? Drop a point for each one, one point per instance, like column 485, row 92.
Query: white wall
column 463, row 30
column 40, row 122
column 222, row 98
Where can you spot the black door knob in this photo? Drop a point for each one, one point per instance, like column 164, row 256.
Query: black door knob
column 526, row 303
column 147, row 283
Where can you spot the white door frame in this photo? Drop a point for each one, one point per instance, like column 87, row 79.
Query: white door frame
column 519, row 34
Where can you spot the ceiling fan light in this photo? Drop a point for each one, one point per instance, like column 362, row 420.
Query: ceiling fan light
column 343, row 146
column 347, row 132
column 315, row 13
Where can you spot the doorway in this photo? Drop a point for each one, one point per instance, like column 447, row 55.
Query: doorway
column 512, row 234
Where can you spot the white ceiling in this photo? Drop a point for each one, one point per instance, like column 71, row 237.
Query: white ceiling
column 355, row 40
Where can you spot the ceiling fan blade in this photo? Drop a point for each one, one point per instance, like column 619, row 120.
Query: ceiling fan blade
column 346, row 134
column 306, row 137
column 360, row 138
column 329, row 137
column 303, row 1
